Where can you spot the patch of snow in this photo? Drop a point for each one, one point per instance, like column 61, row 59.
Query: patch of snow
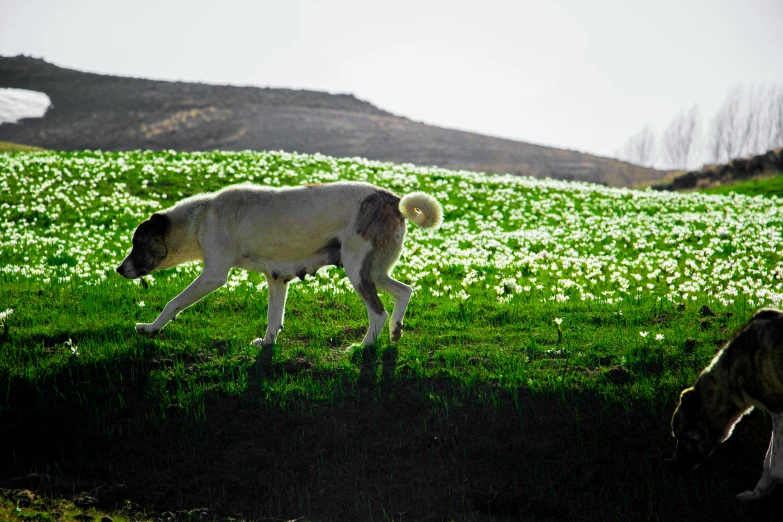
column 16, row 104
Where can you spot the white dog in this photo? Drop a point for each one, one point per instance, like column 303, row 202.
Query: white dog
column 284, row 233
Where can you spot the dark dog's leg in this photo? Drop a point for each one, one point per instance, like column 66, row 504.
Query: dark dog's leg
column 772, row 472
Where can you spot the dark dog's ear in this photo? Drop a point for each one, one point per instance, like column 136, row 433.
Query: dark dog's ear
column 159, row 223
column 687, row 411
column 690, row 402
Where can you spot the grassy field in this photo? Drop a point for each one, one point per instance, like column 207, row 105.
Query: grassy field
column 552, row 326
column 767, row 186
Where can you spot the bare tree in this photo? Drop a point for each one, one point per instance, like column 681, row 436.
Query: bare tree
column 678, row 139
column 749, row 121
column 768, row 131
column 729, row 136
column 774, row 117
column 640, row 148
column 753, row 120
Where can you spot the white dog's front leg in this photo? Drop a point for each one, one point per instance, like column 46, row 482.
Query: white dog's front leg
column 278, row 291
column 773, row 464
column 205, row 283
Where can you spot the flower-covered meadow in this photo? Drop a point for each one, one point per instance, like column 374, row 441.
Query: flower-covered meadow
column 543, row 282
column 70, row 216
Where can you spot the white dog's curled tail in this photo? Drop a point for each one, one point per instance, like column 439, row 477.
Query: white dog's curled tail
column 422, row 209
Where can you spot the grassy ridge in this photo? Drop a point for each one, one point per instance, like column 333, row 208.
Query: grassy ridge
column 768, row 186
column 552, row 327
column 7, row 146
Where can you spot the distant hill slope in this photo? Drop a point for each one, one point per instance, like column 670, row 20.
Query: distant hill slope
column 16, row 147
column 737, row 170
column 94, row 111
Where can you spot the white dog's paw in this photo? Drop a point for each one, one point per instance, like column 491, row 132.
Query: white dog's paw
column 748, row 495
column 355, row 348
column 340, row 351
column 259, row 343
column 146, row 329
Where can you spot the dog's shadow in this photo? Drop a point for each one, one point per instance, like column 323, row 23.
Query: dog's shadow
column 367, row 358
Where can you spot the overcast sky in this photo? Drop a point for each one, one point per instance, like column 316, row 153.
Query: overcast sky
column 582, row 75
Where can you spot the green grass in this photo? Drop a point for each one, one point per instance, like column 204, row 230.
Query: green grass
column 23, row 506
column 486, row 407
column 767, row 186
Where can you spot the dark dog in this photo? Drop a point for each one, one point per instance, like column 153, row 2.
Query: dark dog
column 747, row 372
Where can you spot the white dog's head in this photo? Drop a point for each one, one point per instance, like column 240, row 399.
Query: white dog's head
column 149, row 247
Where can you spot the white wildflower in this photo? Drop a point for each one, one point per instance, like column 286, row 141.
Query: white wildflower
column 74, row 347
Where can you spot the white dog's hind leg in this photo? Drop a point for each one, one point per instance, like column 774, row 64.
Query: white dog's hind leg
column 402, row 296
column 358, row 269
column 207, row 282
column 278, row 291
column 773, row 464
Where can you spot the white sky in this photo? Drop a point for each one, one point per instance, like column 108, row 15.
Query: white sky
column 582, row 75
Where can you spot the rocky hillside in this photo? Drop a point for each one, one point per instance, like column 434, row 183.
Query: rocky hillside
column 739, row 169
column 94, row 111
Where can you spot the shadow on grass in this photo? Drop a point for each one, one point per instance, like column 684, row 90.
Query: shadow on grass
column 394, row 447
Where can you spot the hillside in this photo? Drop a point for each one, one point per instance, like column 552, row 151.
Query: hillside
column 736, row 171
column 93, row 111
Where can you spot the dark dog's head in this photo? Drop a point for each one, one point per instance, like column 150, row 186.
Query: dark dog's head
column 696, row 437
column 149, row 247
